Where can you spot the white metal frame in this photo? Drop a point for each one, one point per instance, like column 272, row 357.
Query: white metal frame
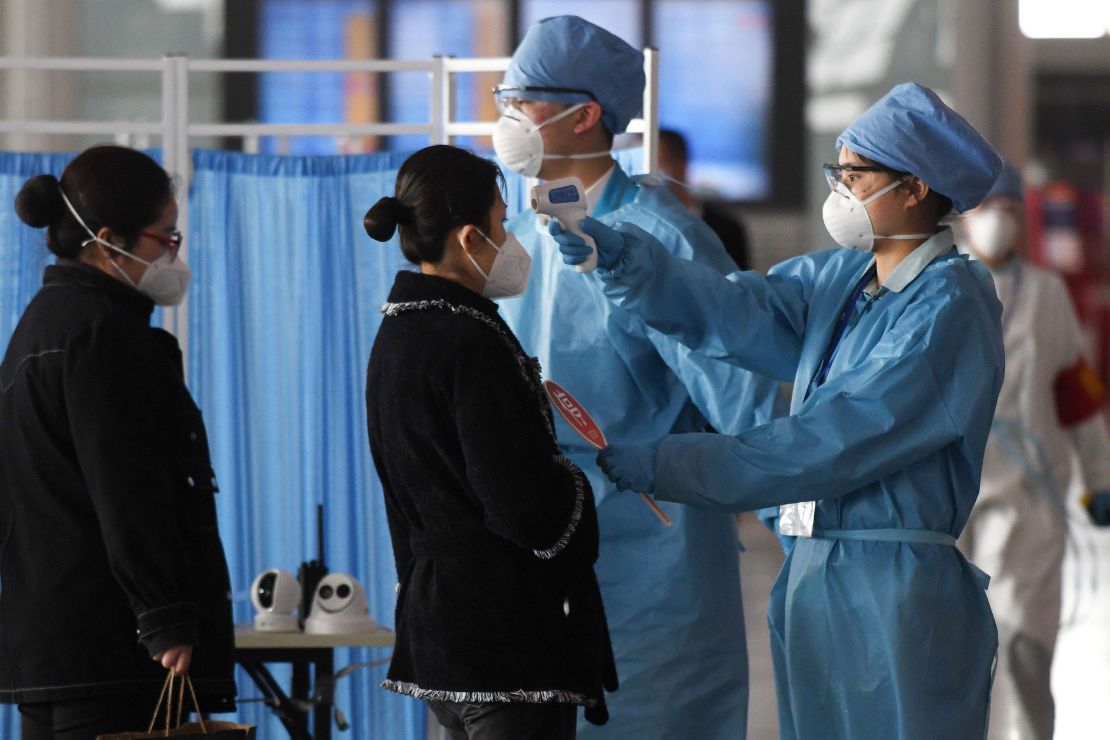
column 175, row 128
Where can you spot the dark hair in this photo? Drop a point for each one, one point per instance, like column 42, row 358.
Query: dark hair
column 110, row 186
column 438, row 189
column 668, row 137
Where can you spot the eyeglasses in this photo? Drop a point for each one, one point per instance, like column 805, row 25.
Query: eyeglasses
column 171, row 242
column 841, row 177
column 506, row 96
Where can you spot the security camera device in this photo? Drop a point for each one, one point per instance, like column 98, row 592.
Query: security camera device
column 339, row 608
column 275, row 593
column 565, row 199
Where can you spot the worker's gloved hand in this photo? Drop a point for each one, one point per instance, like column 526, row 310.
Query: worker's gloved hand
column 631, row 467
column 1098, row 506
column 575, row 251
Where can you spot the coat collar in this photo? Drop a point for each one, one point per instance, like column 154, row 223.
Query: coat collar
column 917, row 260
column 620, row 190
column 411, row 285
column 70, row 272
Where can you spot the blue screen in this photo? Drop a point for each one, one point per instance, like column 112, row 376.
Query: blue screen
column 421, row 29
column 715, row 87
column 620, row 17
column 565, row 194
column 293, row 29
column 716, row 71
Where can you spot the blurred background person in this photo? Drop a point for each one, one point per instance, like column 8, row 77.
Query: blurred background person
column 674, row 154
column 1049, row 410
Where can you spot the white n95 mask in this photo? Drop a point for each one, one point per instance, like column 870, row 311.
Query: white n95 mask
column 848, row 222
column 519, row 144
column 508, row 277
column 166, row 279
column 991, row 232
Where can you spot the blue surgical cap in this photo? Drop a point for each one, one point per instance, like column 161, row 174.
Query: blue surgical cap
column 571, row 53
column 911, row 130
column 1008, row 185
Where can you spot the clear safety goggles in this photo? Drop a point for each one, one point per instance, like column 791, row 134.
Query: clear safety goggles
column 841, row 177
column 507, row 96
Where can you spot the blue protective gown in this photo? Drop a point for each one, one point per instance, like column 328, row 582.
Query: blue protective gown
column 672, row 596
column 892, row 639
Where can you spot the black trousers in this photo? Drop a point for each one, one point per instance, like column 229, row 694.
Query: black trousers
column 84, row 719
column 507, row 721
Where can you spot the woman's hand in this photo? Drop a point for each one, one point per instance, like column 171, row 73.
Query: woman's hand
column 178, row 658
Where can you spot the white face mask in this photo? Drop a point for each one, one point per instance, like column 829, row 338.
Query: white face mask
column 508, row 277
column 991, row 232
column 519, row 144
column 166, row 279
column 848, row 222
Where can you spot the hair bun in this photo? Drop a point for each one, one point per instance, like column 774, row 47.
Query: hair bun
column 39, row 202
column 382, row 219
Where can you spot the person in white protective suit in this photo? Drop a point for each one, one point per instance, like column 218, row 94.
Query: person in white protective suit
column 1049, row 409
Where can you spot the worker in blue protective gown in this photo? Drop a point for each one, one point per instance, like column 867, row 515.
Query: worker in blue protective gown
column 879, row 626
column 672, row 596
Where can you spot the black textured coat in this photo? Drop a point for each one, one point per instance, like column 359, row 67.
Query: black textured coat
column 109, row 551
column 494, row 531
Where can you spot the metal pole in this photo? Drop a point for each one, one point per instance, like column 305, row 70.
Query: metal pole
column 175, row 155
column 440, row 101
column 651, row 109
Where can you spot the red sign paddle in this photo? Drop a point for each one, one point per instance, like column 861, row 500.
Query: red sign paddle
column 581, row 422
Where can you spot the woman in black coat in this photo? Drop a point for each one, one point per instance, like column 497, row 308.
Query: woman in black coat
column 499, row 620
column 109, row 552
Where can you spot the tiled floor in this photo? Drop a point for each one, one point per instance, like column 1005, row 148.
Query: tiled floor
column 759, row 566
column 1081, row 670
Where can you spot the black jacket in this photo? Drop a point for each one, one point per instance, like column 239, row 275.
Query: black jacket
column 494, row 531
column 109, row 551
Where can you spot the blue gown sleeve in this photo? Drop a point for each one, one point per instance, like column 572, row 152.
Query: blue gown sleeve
column 907, row 400
column 730, row 398
column 744, row 319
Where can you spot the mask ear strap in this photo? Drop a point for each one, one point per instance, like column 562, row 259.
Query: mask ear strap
column 92, row 236
column 469, row 256
column 559, row 116
column 883, row 191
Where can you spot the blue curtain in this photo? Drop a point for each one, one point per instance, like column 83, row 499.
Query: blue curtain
column 282, row 315
column 23, row 252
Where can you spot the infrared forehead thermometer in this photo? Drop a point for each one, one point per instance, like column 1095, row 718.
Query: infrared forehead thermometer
column 565, row 199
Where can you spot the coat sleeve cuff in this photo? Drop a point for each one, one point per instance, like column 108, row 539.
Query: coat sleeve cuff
column 167, row 626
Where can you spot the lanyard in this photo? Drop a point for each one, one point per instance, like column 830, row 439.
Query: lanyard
column 841, row 327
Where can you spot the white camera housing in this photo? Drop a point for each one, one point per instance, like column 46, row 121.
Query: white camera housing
column 275, row 593
column 565, row 199
column 339, row 607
